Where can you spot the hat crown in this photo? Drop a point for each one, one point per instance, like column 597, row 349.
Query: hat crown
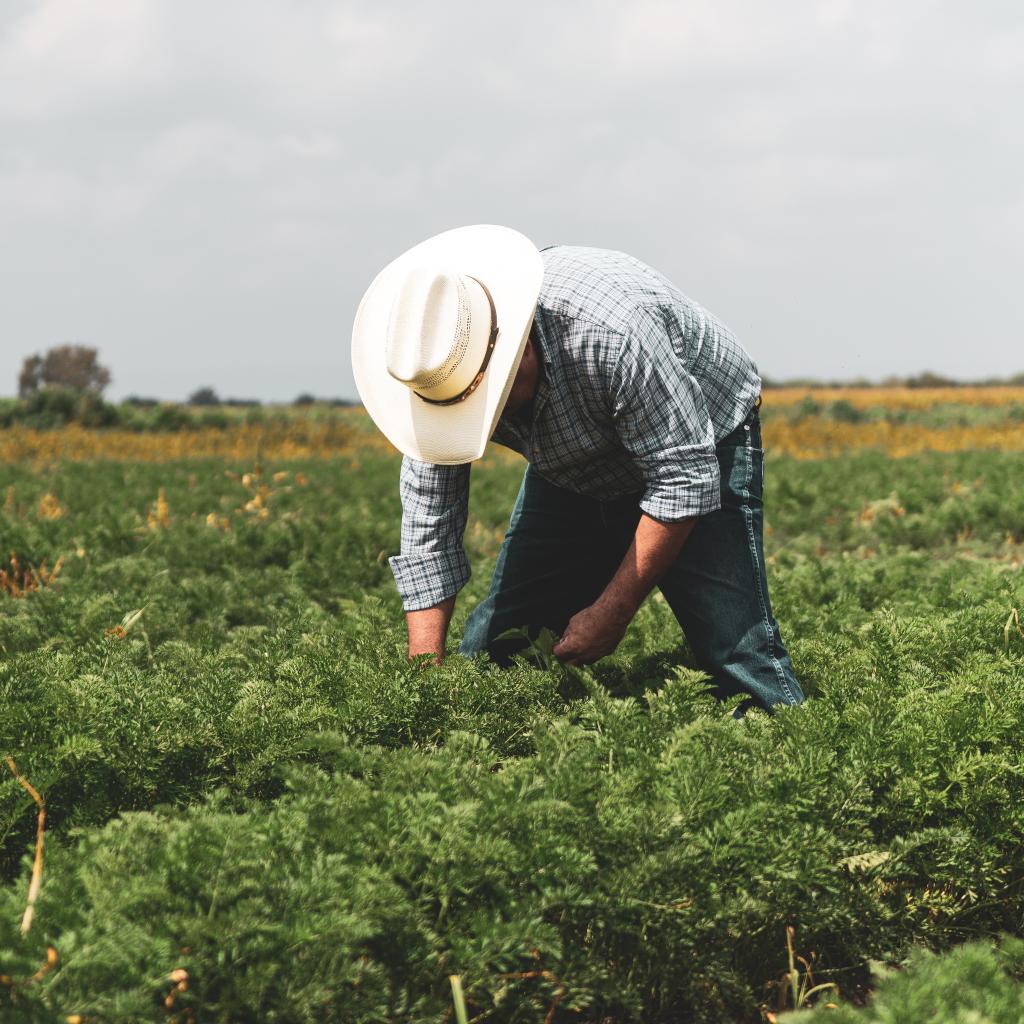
column 434, row 331
column 502, row 271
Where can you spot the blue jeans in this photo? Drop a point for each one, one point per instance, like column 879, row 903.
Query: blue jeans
column 562, row 548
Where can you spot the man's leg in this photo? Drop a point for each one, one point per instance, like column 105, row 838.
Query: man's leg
column 556, row 559
column 718, row 589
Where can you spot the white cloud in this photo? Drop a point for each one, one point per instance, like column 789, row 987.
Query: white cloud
column 62, row 57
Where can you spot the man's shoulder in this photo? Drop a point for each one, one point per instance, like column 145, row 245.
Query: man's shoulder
column 601, row 287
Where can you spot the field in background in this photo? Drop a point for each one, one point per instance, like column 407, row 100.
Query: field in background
column 257, row 809
column 801, row 422
column 810, row 424
column 884, row 398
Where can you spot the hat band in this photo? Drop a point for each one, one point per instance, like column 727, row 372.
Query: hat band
column 475, row 382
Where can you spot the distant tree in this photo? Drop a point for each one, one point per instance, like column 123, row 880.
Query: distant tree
column 204, row 396
column 75, row 367
column 30, row 378
column 930, row 380
column 304, row 399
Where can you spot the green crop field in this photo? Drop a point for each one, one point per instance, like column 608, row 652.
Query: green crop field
column 258, row 811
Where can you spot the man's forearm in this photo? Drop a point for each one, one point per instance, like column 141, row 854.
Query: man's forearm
column 654, row 548
column 595, row 631
column 428, row 629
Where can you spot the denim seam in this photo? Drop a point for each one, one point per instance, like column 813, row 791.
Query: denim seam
column 748, row 478
column 748, row 520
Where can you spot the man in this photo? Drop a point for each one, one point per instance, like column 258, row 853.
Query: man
column 637, row 412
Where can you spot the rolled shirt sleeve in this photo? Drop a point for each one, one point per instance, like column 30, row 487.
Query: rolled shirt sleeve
column 662, row 420
column 432, row 566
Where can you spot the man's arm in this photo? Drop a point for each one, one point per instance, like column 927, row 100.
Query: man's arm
column 428, row 629
column 596, row 631
column 432, row 566
column 662, row 420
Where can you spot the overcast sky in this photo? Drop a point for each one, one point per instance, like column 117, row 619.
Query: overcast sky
column 203, row 190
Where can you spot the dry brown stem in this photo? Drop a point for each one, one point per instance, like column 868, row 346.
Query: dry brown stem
column 37, row 866
column 546, row 976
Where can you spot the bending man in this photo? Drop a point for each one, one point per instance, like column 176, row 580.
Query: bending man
column 637, row 413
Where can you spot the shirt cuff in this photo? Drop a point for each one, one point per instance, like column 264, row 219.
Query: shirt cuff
column 430, row 577
column 696, row 497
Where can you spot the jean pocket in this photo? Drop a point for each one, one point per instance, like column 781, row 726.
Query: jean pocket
column 756, row 485
column 736, row 466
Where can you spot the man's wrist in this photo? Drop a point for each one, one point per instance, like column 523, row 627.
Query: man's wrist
column 428, row 629
column 618, row 604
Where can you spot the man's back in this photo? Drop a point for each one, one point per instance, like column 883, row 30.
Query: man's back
column 609, row 289
column 632, row 368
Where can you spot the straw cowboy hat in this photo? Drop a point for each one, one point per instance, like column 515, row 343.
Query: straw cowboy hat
column 438, row 338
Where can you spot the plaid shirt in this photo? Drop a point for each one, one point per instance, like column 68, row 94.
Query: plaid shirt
column 637, row 384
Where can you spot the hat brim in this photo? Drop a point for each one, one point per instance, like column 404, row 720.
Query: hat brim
column 511, row 267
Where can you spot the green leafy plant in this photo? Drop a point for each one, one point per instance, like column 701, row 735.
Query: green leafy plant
column 249, row 783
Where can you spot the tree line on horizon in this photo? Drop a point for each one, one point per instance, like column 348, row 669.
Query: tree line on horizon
column 927, row 379
column 77, row 369
column 66, row 384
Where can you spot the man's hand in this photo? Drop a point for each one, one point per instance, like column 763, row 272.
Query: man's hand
column 428, row 629
column 596, row 631
column 592, row 634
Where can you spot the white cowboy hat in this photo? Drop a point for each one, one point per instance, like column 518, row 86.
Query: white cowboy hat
column 438, row 338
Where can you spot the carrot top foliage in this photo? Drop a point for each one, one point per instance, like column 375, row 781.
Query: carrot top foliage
column 257, row 809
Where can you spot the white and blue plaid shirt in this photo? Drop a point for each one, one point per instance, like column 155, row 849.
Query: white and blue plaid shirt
column 637, row 384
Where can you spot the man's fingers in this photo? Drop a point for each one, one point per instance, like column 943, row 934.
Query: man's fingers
column 572, row 648
column 564, row 646
column 565, row 652
column 573, row 657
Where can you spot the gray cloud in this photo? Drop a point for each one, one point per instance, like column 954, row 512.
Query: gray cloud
column 204, row 190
